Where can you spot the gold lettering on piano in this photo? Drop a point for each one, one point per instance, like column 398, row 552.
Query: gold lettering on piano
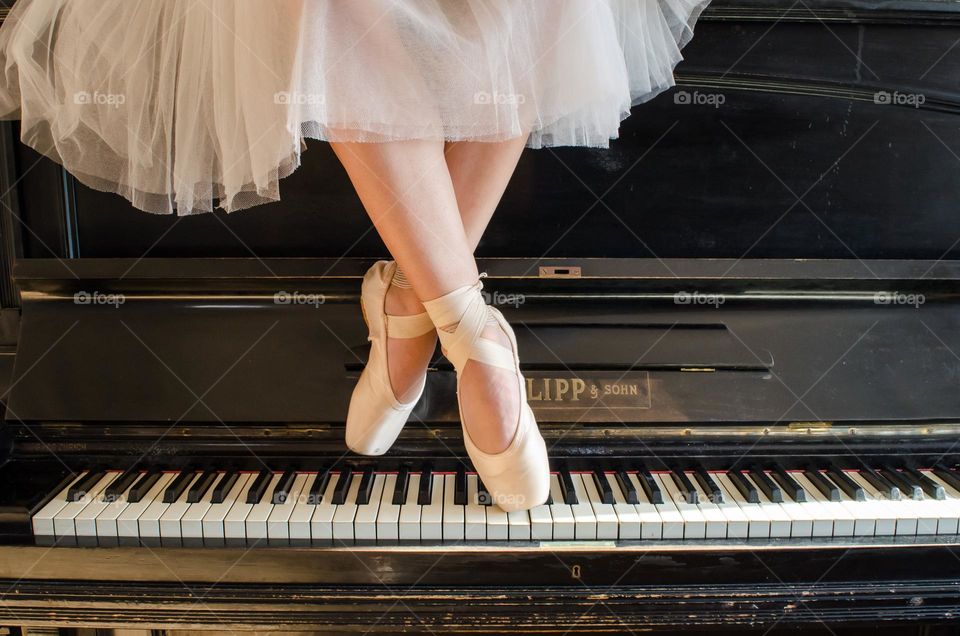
column 578, row 392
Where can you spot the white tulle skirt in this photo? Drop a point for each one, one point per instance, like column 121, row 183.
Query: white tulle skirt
column 184, row 105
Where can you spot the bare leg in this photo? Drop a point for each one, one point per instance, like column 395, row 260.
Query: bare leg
column 409, row 199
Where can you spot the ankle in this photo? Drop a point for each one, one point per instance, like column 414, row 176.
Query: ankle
column 402, row 302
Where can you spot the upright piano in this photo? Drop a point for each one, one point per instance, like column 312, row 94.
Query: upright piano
column 740, row 327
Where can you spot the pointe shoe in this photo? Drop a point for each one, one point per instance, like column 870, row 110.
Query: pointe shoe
column 376, row 417
column 518, row 478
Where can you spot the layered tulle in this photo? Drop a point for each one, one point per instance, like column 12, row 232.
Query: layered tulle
column 183, row 105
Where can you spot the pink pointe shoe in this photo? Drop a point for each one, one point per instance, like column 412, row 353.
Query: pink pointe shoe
column 376, row 417
column 518, row 478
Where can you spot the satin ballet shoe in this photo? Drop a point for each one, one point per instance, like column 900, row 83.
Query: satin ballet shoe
column 518, row 478
column 376, row 416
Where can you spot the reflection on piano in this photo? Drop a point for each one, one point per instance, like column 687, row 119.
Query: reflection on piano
column 745, row 370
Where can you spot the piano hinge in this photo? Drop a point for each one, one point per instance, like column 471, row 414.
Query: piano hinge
column 804, row 425
column 559, row 271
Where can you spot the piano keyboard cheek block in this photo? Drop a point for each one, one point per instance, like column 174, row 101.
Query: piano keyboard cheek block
column 749, row 400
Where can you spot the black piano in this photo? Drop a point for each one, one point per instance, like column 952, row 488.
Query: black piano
column 740, row 327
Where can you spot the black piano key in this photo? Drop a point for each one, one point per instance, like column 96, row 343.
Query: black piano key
column 649, row 486
column 201, row 486
column 178, row 485
column 282, row 489
column 709, row 485
column 603, row 486
column 883, row 485
column 319, row 487
column 460, row 488
column 223, row 487
column 686, row 487
column 425, row 496
column 342, row 488
column 930, row 487
column 366, row 488
column 143, row 485
column 119, row 485
column 851, row 488
column 746, row 488
column 483, row 495
column 401, row 487
column 951, row 477
column 627, row 487
column 80, row 489
column 566, row 487
column 766, row 485
column 900, row 481
column 259, row 487
column 791, row 487
column 826, row 487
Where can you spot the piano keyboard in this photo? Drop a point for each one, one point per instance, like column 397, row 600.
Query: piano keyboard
column 215, row 508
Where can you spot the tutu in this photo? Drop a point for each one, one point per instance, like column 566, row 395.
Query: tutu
column 185, row 105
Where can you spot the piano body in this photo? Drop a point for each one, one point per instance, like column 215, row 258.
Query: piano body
column 740, row 326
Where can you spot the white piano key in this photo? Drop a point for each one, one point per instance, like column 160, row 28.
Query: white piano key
column 453, row 515
column 498, row 524
column 652, row 524
column 388, row 515
column 628, row 519
column 694, row 523
column 475, row 513
column 278, row 524
column 564, row 524
column 321, row 523
column 871, row 517
column 905, row 520
column 365, row 524
column 235, row 523
column 410, row 511
column 758, row 521
column 170, row 532
column 607, row 521
column 191, row 523
column 843, row 521
column 583, row 515
column 716, row 521
column 541, row 523
column 431, row 516
column 85, row 523
column 738, row 525
column 64, row 520
column 128, row 523
column 213, row 523
column 518, row 525
column 346, row 512
column 42, row 522
column 255, row 523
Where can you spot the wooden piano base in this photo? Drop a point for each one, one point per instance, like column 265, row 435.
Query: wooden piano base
column 547, row 588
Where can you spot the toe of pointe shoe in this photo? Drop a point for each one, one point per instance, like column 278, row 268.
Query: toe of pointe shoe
column 519, row 477
column 373, row 427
